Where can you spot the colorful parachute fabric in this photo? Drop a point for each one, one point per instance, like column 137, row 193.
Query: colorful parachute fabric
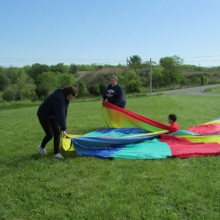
column 116, row 117
column 133, row 136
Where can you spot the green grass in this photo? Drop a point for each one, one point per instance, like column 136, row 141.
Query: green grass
column 214, row 90
column 33, row 187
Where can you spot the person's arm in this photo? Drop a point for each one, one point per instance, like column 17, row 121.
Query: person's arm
column 66, row 108
column 59, row 106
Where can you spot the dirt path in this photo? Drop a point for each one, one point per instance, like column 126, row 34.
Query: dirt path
column 191, row 91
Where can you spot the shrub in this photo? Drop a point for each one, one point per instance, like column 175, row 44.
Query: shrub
column 94, row 89
column 9, row 94
column 133, row 86
column 82, row 89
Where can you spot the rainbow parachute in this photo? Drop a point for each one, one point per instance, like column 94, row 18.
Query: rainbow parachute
column 133, row 136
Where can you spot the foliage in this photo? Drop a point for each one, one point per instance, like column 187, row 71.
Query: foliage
column 102, row 88
column 65, row 80
column 157, row 77
column 214, row 90
column 132, row 81
column 82, row 89
column 25, row 87
column 73, row 69
column 37, row 69
column 4, row 80
column 134, row 62
column 94, row 89
column 170, row 74
column 46, row 83
column 133, row 86
column 84, row 67
column 28, row 92
column 171, row 70
column 9, row 94
column 129, row 76
column 13, row 74
column 204, row 79
column 59, row 68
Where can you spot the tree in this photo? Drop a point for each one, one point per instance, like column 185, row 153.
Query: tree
column 133, row 86
column 94, row 89
column 204, row 79
column 28, row 92
column 157, row 77
column 171, row 69
column 133, row 81
column 12, row 73
column 73, row 69
column 134, row 62
column 132, row 75
column 37, row 69
column 82, row 89
column 4, row 80
column 59, row 68
column 46, row 83
column 65, row 80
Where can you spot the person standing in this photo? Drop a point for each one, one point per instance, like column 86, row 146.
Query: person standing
column 114, row 93
column 52, row 115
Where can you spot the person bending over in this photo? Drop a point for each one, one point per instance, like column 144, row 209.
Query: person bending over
column 52, row 115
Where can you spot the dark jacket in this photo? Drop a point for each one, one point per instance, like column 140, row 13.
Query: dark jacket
column 115, row 95
column 55, row 106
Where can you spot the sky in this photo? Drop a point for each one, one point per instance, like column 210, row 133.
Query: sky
column 108, row 31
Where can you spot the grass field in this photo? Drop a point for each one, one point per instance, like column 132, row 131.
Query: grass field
column 35, row 187
column 214, row 90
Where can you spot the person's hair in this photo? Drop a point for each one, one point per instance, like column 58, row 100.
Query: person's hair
column 114, row 77
column 172, row 117
column 71, row 90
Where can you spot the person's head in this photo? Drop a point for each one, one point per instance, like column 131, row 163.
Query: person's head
column 172, row 118
column 71, row 92
column 114, row 80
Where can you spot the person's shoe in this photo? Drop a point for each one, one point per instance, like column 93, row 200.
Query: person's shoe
column 58, row 156
column 42, row 151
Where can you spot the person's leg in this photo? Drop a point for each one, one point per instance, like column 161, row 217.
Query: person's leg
column 46, row 125
column 56, row 132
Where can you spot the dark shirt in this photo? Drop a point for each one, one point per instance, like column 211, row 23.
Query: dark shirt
column 55, row 106
column 115, row 95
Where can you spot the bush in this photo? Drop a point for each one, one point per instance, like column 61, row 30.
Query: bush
column 102, row 88
column 28, row 92
column 65, row 79
column 9, row 94
column 82, row 89
column 4, row 81
column 94, row 89
column 133, row 86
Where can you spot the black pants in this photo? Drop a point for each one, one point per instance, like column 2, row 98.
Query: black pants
column 51, row 129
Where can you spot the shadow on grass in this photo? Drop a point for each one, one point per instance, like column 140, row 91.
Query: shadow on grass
column 26, row 160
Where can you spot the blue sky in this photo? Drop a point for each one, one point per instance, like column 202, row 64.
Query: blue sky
column 108, row 31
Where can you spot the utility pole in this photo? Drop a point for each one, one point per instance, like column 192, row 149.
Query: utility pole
column 126, row 75
column 150, row 77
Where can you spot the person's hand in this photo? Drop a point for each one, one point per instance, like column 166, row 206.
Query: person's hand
column 63, row 133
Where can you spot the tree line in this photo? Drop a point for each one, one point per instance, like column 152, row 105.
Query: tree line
column 35, row 82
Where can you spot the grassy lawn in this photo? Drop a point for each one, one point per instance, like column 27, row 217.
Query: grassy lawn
column 214, row 90
column 33, row 187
